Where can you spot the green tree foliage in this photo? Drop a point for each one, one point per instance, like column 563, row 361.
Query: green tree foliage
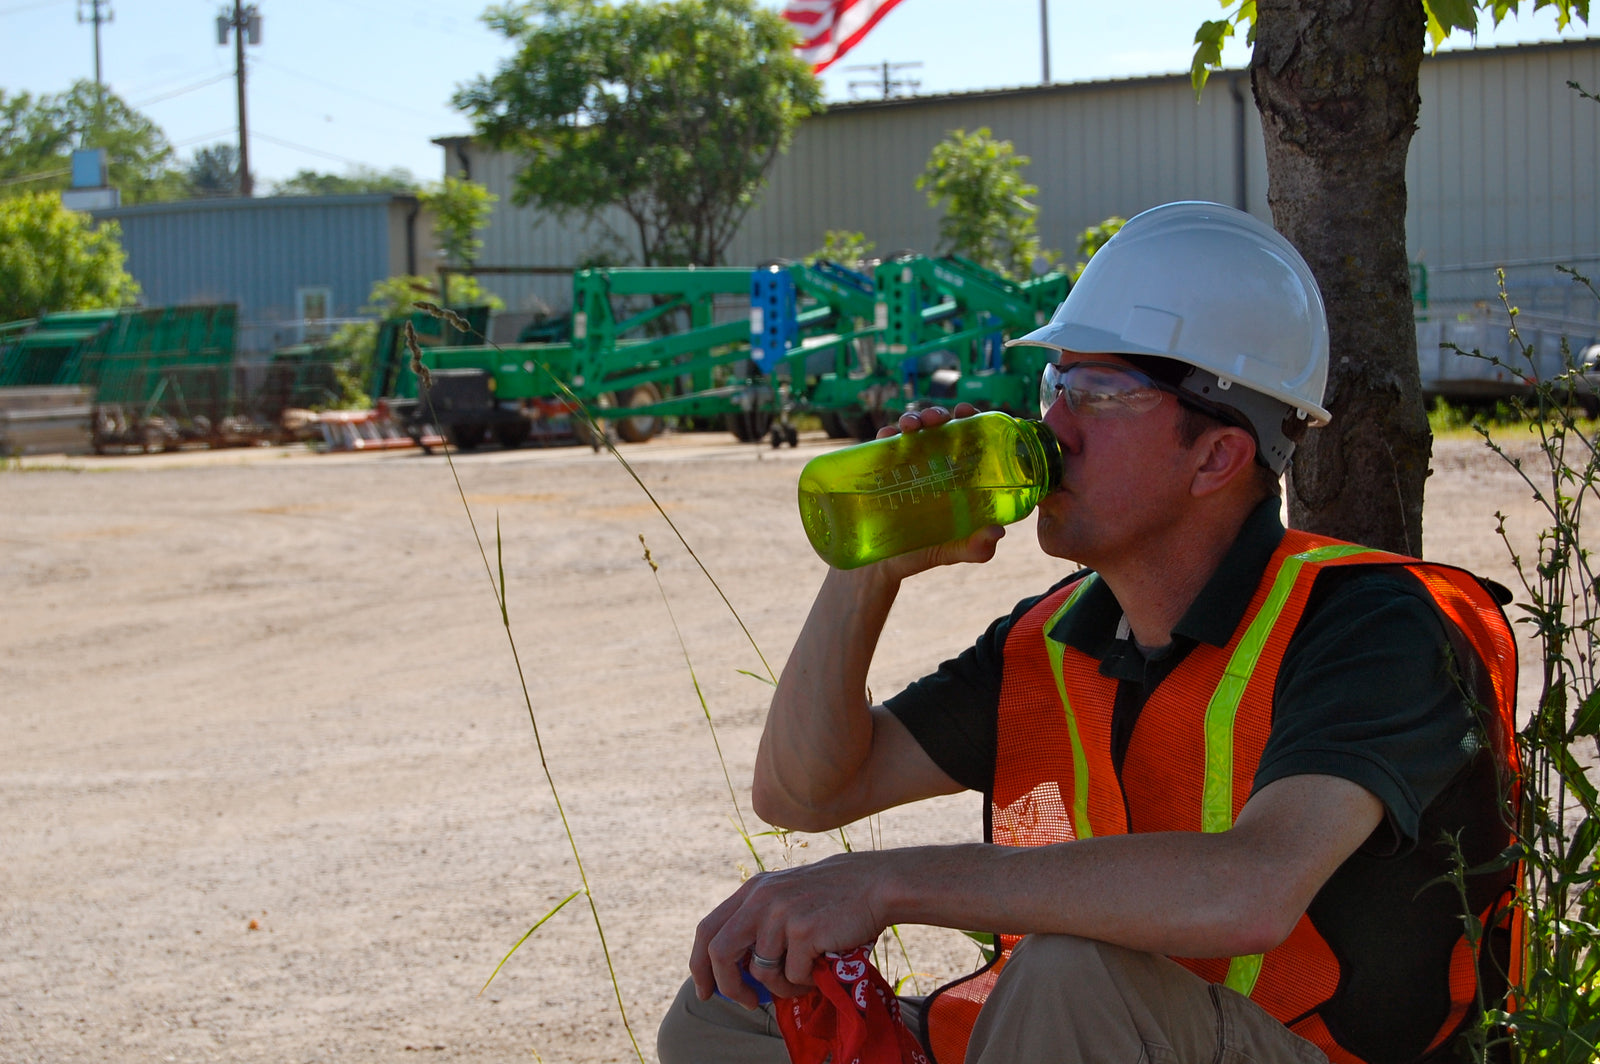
column 214, row 171
column 460, row 211
column 843, row 246
column 1443, row 16
column 357, row 181
column 977, row 181
column 54, row 259
column 671, row 111
column 391, row 299
column 1093, row 239
column 38, row 133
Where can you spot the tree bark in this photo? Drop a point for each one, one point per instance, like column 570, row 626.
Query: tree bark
column 1336, row 84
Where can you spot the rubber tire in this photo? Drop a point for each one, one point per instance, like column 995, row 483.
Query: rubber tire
column 748, row 426
column 638, row 429
column 466, row 435
column 865, row 425
column 512, row 435
column 835, row 425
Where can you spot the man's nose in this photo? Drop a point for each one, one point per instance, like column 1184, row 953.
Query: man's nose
column 1062, row 420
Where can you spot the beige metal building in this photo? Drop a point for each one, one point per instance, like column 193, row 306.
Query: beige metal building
column 1503, row 170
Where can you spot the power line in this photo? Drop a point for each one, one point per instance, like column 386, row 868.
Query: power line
column 280, row 68
column 203, row 136
column 43, row 175
column 310, row 151
column 20, row 8
column 187, row 88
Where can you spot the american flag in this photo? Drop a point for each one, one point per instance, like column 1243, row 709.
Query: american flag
column 830, row 28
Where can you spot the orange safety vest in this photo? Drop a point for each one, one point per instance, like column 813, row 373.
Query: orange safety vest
column 1185, row 771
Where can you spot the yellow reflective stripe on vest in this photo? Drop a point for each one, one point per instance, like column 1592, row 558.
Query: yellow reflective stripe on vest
column 1216, row 801
column 1054, row 652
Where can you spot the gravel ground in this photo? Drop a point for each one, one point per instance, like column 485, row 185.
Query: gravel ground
column 270, row 791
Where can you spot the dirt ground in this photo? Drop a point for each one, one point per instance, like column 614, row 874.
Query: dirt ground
column 269, row 790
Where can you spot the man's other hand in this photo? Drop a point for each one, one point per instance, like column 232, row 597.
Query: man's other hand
column 791, row 916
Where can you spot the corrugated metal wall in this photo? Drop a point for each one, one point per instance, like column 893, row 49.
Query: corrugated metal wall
column 1504, row 171
column 256, row 253
column 1503, row 168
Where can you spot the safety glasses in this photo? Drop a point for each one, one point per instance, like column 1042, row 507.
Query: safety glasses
column 1101, row 389
column 1105, row 389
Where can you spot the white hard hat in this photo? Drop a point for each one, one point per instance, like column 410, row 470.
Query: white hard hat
column 1218, row 290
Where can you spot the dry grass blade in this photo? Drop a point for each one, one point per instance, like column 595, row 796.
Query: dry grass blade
column 744, row 831
column 562, row 904
column 597, row 434
column 499, row 589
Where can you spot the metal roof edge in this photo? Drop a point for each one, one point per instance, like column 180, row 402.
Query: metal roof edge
column 1063, row 87
column 1060, row 87
column 243, row 203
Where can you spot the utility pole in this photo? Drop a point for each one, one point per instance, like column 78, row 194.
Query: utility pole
column 94, row 15
column 885, row 81
column 1044, row 37
column 244, row 20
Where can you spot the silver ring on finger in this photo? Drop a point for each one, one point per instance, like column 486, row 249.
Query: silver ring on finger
column 764, row 962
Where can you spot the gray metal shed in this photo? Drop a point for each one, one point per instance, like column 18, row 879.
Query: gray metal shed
column 1503, row 170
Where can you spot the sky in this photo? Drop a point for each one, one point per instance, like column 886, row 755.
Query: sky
column 341, row 83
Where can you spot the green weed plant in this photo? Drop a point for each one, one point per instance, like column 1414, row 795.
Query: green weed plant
column 1553, row 1011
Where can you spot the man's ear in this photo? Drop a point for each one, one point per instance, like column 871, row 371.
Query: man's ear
column 1222, row 455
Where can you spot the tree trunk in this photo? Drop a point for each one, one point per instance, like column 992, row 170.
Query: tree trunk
column 1336, row 84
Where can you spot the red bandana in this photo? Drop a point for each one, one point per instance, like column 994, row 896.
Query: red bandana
column 852, row 1016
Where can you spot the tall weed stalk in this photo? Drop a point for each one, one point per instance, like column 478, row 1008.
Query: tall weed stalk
column 1553, row 1013
column 497, row 582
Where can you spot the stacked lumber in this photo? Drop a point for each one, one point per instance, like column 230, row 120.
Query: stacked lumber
column 45, row 420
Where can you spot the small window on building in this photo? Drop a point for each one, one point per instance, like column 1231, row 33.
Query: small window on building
column 314, row 307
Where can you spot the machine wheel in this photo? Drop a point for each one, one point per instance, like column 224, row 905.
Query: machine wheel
column 748, row 426
column 153, row 438
column 865, row 425
column 835, row 425
column 512, row 434
column 586, row 436
column 791, row 435
column 466, row 435
column 639, row 429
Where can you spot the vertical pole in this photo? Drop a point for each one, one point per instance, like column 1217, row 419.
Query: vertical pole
column 885, row 79
column 99, row 85
column 95, row 18
column 246, row 182
column 1044, row 37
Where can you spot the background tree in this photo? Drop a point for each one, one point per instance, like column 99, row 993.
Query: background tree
column 357, row 181
column 214, row 171
column 1336, row 83
column 670, row 111
column 460, row 211
column 38, row 134
column 977, row 182
column 54, row 259
column 844, row 246
column 1093, row 239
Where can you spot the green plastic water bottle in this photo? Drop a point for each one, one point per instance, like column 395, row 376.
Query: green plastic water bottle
column 878, row 499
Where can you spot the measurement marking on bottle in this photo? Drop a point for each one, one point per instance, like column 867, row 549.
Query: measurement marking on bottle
column 906, row 485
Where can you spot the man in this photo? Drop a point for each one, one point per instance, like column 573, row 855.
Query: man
column 1220, row 763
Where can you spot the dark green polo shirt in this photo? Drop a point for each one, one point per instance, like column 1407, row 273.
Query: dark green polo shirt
column 1365, row 692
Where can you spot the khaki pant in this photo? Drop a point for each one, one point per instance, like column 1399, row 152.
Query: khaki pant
column 1060, row 998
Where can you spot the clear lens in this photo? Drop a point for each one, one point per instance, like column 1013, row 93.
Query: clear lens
column 1098, row 389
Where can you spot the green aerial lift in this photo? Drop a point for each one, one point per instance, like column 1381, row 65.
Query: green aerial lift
column 744, row 348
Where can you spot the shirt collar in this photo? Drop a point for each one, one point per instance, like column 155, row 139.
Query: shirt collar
column 1091, row 625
